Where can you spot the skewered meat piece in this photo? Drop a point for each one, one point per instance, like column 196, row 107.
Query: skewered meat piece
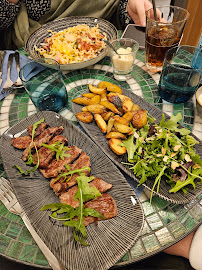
column 21, row 142
column 39, row 129
column 60, row 186
column 44, row 137
column 68, row 197
column 105, row 205
column 45, row 154
column 59, row 166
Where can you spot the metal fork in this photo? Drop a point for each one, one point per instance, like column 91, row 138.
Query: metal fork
column 10, row 201
column 14, row 85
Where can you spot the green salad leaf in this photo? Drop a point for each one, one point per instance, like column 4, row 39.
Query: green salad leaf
column 75, row 217
column 164, row 154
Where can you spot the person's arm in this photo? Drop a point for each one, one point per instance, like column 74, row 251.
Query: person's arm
column 190, row 247
column 8, row 11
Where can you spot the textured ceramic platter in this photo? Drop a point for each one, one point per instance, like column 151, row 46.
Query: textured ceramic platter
column 110, row 239
column 42, row 33
column 96, row 134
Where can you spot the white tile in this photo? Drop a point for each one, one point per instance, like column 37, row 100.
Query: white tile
column 135, row 87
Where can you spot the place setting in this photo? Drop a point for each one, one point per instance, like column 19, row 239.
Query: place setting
column 98, row 141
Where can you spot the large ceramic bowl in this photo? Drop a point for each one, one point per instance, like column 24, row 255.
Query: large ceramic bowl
column 40, row 34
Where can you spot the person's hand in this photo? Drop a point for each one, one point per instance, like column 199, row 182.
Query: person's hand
column 137, row 8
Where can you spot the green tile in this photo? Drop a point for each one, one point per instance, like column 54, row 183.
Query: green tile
column 13, row 217
column 176, row 229
column 148, row 208
column 159, row 202
column 28, row 254
column 40, row 259
column 13, row 230
column 142, row 83
column 15, row 249
column 25, row 236
column 167, row 215
column 196, row 211
column 154, row 222
column 3, row 209
column 178, row 209
column 3, row 224
column 188, row 221
column 150, row 243
column 164, row 236
column 147, row 95
column 125, row 258
column 4, row 243
column 146, row 229
column 137, row 250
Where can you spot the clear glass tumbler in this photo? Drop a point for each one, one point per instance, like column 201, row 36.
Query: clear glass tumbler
column 123, row 61
column 179, row 78
column 43, row 82
column 164, row 34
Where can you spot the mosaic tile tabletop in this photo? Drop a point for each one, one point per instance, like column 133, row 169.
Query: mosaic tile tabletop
column 165, row 223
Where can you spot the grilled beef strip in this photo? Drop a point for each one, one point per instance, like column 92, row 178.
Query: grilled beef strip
column 68, row 196
column 59, row 187
column 39, row 129
column 44, row 137
column 105, row 205
column 21, row 142
column 59, row 166
column 45, row 154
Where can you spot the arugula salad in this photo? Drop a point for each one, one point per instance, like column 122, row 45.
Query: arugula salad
column 164, row 152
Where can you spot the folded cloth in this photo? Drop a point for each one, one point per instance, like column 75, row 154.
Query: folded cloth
column 195, row 254
column 13, row 69
column 31, row 70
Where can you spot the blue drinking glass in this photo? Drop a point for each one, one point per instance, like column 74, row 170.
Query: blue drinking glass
column 180, row 78
column 43, row 82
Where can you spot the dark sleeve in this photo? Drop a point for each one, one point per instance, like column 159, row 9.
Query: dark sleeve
column 124, row 18
column 8, row 12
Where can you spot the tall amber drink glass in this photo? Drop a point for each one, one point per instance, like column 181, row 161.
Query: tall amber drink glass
column 163, row 34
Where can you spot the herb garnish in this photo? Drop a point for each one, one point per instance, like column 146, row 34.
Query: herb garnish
column 70, row 172
column 75, row 217
column 59, row 148
column 30, row 158
column 160, row 155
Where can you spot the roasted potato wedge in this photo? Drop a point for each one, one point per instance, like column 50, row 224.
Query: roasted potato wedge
column 110, row 124
column 104, row 97
column 107, row 115
column 139, row 118
column 95, row 108
column 89, row 95
column 116, row 148
column 128, row 116
column 85, row 117
column 121, row 120
column 116, row 135
column 122, row 128
column 81, row 100
column 115, row 99
column 95, row 90
column 95, row 100
column 122, row 97
column 100, row 122
column 135, row 108
column 110, row 106
column 110, row 87
column 127, row 105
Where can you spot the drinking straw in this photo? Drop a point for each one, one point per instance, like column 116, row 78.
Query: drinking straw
column 154, row 9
